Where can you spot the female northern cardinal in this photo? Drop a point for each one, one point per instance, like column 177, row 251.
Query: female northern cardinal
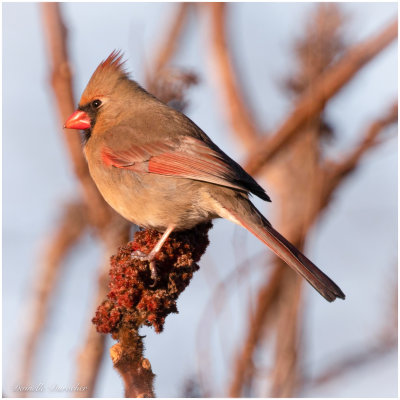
column 159, row 170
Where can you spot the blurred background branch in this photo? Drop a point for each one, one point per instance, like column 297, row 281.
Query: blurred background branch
column 312, row 102
column 111, row 229
column 300, row 179
column 235, row 109
column 68, row 231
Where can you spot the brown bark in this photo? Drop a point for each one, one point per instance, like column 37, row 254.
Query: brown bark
column 135, row 370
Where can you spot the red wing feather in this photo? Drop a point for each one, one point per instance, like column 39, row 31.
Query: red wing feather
column 191, row 158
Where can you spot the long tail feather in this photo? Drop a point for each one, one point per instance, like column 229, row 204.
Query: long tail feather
column 259, row 226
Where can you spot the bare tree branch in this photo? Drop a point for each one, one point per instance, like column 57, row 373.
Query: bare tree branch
column 313, row 100
column 335, row 172
column 166, row 83
column 217, row 302
column 285, row 370
column 69, row 229
column 353, row 361
column 385, row 344
column 61, row 81
column 170, row 40
column 266, row 303
column 221, row 65
column 91, row 355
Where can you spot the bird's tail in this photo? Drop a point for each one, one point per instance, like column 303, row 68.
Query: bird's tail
column 251, row 219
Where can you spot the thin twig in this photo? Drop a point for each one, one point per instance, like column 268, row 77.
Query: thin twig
column 221, row 65
column 354, row 361
column 170, row 39
column 266, row 301
column 217, row 302
column 385, row 344
column 92, row 352
column 284, row 374
column 313, row 100
column 161, row 81
column 335, row 172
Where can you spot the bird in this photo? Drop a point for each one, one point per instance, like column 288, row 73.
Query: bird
column 159, row 170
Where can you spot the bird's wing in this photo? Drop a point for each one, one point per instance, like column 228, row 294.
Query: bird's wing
column 187, row 158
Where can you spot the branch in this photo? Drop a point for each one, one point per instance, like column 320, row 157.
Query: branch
column 217, row 302
column 69, row 230
column 171, row 84
column 266, row 303
column 313, row 100
column 128, row 360
column 170, row 40
column 336, row 172
column 235, row 107
column 61, row 82
column 354, row 361
column 91, row 354
column 285, row 371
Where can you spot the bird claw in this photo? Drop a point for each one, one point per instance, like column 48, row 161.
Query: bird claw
column 139, row 255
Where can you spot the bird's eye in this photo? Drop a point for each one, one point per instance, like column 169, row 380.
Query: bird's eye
column 96, row 103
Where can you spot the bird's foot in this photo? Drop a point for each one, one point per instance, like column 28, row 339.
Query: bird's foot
column 139, row 255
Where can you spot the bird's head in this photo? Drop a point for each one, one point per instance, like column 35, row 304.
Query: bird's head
column 104, row 98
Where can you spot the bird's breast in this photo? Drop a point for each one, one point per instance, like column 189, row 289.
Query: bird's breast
column 151, row 200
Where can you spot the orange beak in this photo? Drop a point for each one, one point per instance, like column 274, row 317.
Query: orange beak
column 78, row 120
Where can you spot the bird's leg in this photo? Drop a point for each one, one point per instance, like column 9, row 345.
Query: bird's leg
column 139, row 255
